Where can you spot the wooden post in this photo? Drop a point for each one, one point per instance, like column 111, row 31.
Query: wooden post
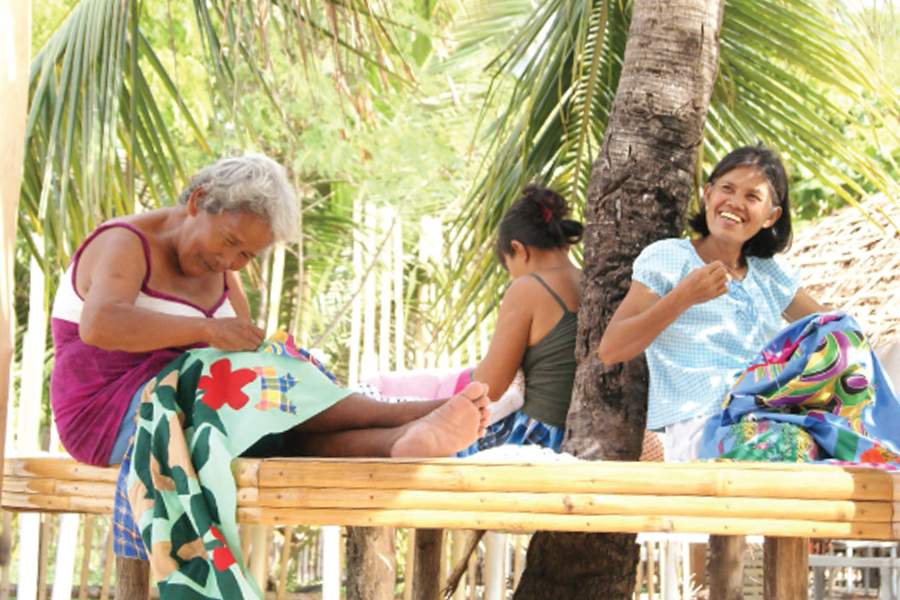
column 132, row 578
column 16, row 29
column 726, row 567
column 370, row 563
column 697, row 554
column 427, row 570
column 785, row 569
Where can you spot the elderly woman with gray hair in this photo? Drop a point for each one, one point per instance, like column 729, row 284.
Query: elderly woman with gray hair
column 145, row 288
column 159, row 367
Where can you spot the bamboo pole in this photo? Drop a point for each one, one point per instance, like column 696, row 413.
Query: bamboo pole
column 285, row 559
column 369, row 360
column 245, row 534
column 356, row 267
column 258, row 560
column 410, row 564
column 87, row 543
column 58, row 468
column 108, row 562
column 572, row 504
column 399, row 308
column 529, row 522
column 385, row 274
column 44, row 558
column 818, row 482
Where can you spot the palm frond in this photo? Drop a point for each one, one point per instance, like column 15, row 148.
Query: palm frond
column 794, row 74
column 96, row 142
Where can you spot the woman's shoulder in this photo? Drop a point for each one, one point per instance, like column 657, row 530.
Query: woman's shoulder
column 774, row 267
column 117, row 234
column 141, row 231
column 670, row 252
column 775, row 275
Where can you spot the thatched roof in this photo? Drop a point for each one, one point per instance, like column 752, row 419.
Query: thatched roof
column 852, row 264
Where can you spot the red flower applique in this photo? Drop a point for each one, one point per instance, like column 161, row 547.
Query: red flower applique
column 223, row 386
column 222, row 556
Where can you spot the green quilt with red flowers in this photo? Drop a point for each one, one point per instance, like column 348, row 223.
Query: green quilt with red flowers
column 200, row 412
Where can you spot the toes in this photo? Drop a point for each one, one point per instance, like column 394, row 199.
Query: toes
column 476, row 392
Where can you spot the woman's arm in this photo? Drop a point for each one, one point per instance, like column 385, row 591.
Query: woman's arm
column 643, row 315
column 803, row 305
column 110, row 273
column 510, row 340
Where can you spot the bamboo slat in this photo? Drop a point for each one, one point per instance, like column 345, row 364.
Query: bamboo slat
column 58, row 468
column 546, row 522
column 575, row 504
column 816, row 482
column 703, row 497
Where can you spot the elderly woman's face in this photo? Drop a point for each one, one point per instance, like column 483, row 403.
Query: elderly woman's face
column 224, row 242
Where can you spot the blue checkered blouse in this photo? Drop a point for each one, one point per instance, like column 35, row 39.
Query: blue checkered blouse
column 697, row 358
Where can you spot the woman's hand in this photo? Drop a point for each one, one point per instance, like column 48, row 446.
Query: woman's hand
column 643, row 315
column 703, row 284
column 234, row 334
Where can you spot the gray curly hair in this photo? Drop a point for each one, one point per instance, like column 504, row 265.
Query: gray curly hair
column 251, row 182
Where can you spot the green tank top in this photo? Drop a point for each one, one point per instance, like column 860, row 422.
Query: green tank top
column 549, row 368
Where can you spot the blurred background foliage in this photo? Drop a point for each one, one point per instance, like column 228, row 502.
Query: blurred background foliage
column 417, row 109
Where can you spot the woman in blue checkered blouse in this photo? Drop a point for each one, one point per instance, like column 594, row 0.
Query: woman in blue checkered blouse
column 700, row 309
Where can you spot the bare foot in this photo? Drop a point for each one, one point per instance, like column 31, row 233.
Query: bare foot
column 449, row 428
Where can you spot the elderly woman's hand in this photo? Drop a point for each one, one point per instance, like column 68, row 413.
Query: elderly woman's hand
column 236, row 333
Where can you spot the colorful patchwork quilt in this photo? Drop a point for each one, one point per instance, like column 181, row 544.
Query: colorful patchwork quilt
column 816, row 392
column 199, row 413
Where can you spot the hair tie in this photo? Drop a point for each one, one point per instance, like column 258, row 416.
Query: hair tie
column 547, row 214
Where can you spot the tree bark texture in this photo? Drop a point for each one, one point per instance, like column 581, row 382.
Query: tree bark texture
column 786, row 568
column 726, row 566
column 639, row 189
column 371, row 563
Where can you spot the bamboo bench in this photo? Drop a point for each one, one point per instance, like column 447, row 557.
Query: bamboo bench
column 785, row 502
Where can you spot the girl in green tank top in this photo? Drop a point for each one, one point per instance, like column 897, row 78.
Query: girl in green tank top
column 537, row 321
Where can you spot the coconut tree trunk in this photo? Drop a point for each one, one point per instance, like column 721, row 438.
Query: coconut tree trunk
column 638, row 193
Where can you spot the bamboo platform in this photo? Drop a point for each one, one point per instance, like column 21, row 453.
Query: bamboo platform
column 727, row 498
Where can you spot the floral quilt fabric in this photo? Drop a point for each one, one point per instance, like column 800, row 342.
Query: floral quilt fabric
column 200, row 412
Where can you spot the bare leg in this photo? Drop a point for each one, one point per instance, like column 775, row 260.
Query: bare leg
column 442, row 431
column 361, row 412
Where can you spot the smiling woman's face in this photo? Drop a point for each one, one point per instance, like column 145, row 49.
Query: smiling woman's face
column 739, row 204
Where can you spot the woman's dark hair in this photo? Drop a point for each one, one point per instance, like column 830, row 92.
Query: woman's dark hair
column 537, row 219
column 772, row 240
